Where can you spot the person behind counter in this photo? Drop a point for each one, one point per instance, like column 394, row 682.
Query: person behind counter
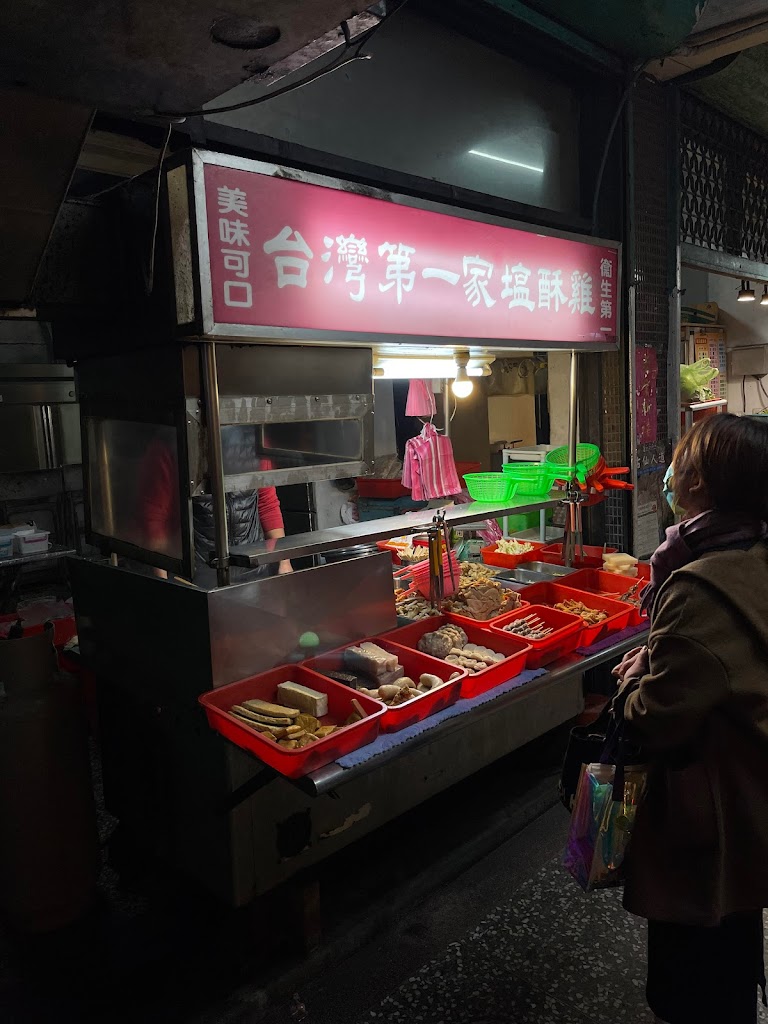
column 251, row 516
column 697, row 700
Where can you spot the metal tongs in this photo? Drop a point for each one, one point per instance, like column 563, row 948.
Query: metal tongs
column 437, row 535
column 574, row 532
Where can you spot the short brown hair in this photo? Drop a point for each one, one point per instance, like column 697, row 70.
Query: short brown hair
column 730, row 456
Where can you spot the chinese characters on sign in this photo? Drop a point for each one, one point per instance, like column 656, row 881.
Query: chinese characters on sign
column 303, row 256
column 234, row 232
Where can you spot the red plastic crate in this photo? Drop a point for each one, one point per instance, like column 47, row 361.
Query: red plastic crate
column 515, row 648
column 414, row 663
column 467, row 467
column 554, row 593
column 593, row 556
column 373, row 487
column 492, row 557
column 612, row 586
column 293, row 763
column 565, row 638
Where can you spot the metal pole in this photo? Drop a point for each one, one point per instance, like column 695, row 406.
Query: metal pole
column 216, row 464
column 573, row 413
column 447, row 407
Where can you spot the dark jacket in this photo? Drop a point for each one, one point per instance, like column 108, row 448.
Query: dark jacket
column 699, row 850
column 243, row 524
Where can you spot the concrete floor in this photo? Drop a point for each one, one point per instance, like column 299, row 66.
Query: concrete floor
column 459, row 913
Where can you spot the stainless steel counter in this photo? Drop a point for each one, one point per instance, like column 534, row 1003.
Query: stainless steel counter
column 304, row 544
column 54, row 552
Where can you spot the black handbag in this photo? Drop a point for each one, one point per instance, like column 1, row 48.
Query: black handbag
column 585, row 746
column 601, row 742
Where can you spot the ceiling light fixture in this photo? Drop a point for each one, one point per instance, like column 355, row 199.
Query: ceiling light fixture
column 404, row 368
column 462, row 386
column 504, row 160
column 746, row 293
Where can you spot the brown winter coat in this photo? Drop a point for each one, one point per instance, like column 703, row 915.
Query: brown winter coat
column 700, row 846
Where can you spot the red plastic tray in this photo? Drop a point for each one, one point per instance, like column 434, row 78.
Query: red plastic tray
column 565, row 638
column 63, row 629
column 293, row 763
column 612, row 586
column 554, row 593
column 372, row 487
column 516, row 649
column 593, row 556
column 414, row 663
column 492, row 557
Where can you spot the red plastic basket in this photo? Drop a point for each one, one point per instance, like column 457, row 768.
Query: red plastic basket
column 553, row 593
column 612, row 586
column 414, row 663
column 593, row 556
column 467, row 467
column 293, row 763
column 565, row 638
column 515, row 648
column 373, row 487
column 493, row 557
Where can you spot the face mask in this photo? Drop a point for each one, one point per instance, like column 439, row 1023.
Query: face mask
column 669, row 492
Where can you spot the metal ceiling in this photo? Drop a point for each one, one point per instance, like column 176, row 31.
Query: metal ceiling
column 139, row 56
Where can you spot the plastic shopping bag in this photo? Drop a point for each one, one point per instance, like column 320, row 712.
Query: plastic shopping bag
column 601, row 824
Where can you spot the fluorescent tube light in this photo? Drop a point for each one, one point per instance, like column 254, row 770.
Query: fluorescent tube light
column 504, row 160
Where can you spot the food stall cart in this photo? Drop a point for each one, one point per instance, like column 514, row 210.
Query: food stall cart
column 283, row 283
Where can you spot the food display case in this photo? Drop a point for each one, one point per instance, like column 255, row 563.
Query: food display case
column 265, row 378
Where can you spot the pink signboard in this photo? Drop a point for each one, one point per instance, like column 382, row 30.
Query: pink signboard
column 308, row 257
column 646, row 410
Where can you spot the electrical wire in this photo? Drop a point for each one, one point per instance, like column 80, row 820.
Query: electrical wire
column 762, row 390
column 744, row 395
column 606, row 148
column 153, row 247
column 336, row 65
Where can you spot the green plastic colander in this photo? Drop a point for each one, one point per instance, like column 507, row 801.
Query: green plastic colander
column 587, row 457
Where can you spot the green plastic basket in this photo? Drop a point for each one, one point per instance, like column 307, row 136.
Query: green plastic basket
column 587, row 457
column 490, row 487
column 531, row 477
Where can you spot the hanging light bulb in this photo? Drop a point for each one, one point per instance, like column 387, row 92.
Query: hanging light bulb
column 462, row 386
column 764, row 297
column 746, row 293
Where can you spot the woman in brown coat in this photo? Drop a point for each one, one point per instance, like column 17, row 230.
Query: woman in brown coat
column 697, row 699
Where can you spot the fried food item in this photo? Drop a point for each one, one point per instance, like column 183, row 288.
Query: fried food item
column 513, row 547
column 476, row 572
column 414, row 607
column 326, row 730
column 481, row 601
column 440, row 643
column 308, row 723
column 270, row 732
column 262, row 707
column 591, row 616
